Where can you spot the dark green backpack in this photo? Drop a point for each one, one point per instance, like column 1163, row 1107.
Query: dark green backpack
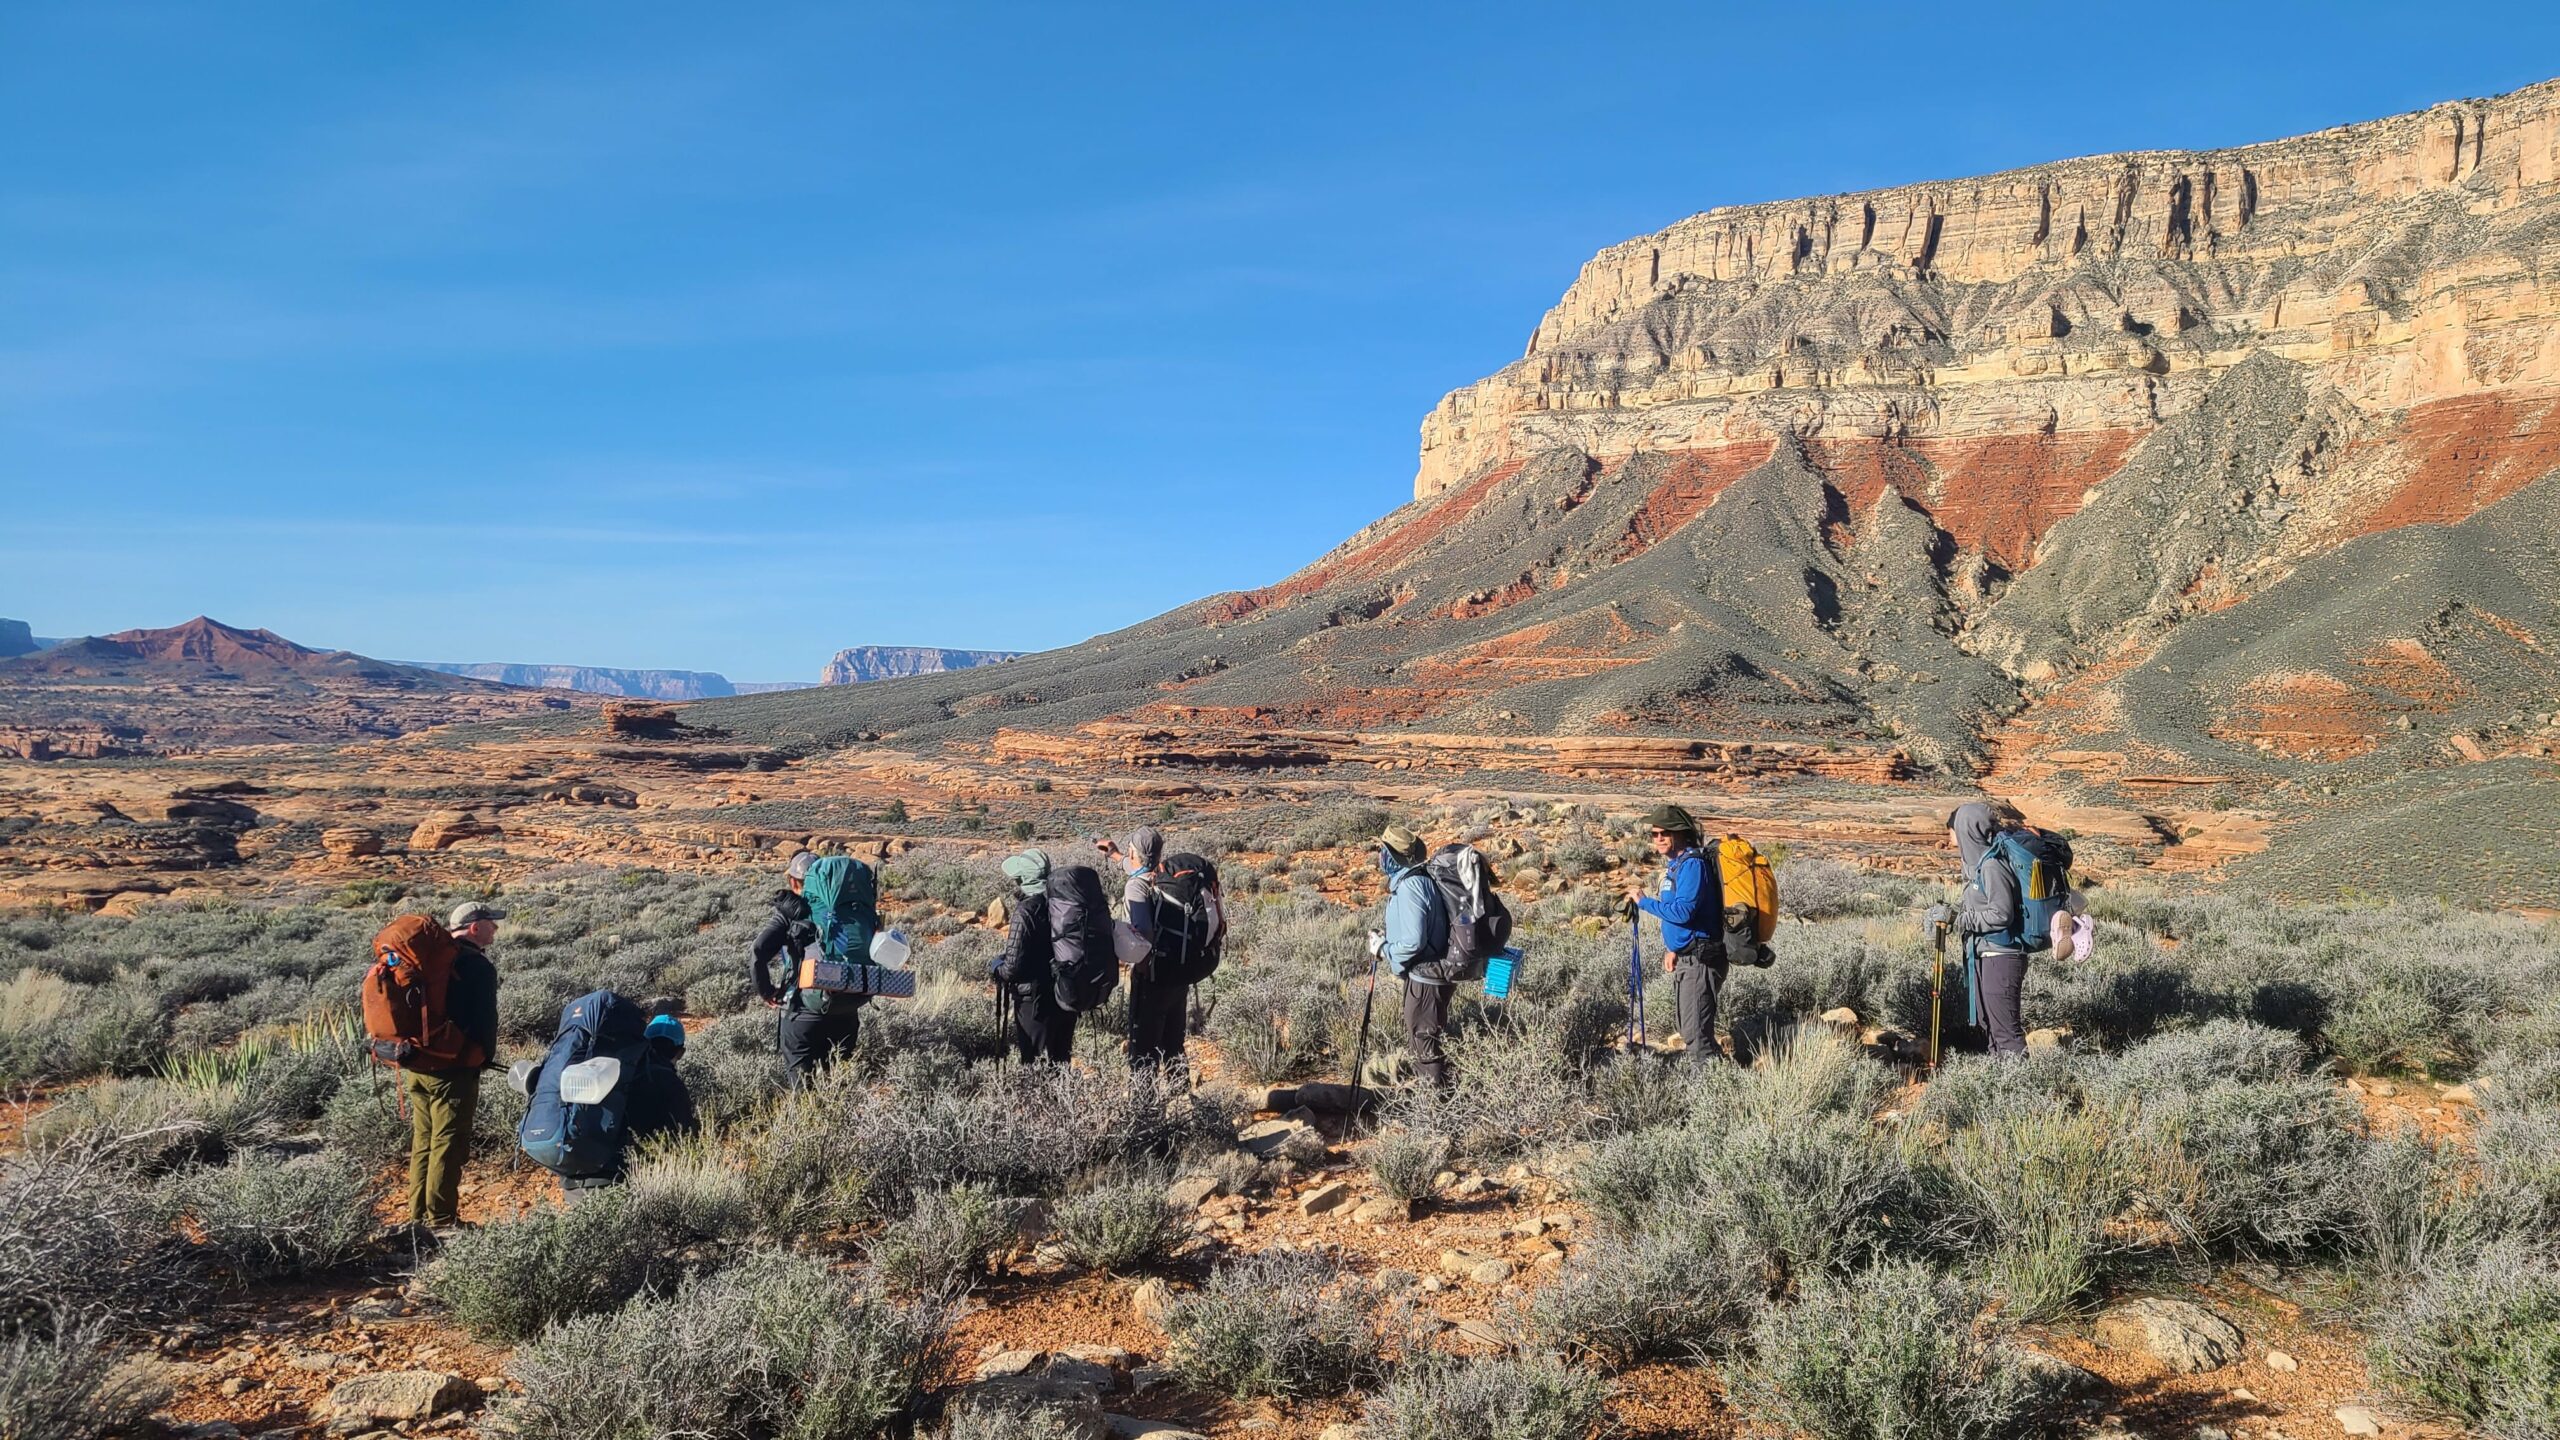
column 844, row 903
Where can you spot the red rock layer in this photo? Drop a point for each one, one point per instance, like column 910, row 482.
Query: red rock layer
column 1994, row 494
column 2467, row 454
column 1694, row 481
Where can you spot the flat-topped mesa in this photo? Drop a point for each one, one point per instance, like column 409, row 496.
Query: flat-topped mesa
column 2397, row 255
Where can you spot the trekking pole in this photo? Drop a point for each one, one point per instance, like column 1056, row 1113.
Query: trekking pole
column 1635, row 978
column 1937, row 988
column 1360, row 1046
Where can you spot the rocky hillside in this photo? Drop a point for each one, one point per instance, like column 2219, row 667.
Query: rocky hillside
column 205, row 684
column 16, row 638
column 593, row 679
column 859, row 664
column 2225, row 473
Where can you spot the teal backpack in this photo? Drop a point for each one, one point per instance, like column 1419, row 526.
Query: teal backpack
column 844, row 903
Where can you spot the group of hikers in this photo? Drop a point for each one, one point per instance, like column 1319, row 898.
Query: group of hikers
column 611, row 1078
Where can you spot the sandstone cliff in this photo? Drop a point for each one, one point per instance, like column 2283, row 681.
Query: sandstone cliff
column 860, row 663
column 16, row 639
column 593, row 679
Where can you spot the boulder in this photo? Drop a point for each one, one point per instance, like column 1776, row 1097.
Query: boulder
column 1078, row 1408
column 1193, row 1191
column 448, row 828
column 210, row 810
column 1267, row 1138
column 1148, row 1301
column 1324, row 1198
column 1069, row 1370
column 399, row 1395
column 349, row 842
column 1005, row 1364
column 2357, row 1420
column 1131, row 1427
column 2187, row 1339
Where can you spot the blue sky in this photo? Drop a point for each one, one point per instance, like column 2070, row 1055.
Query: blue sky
column 721, row 337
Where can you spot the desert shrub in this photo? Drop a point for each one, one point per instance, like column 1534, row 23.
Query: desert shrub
column 1677, row 1292
column 1405, row 1162
column 1339, row 826
column 506, row 1282
column 1120, row 1224
column 1809, row 1195
column 1629, row 1179
column 1015, row 1417
column 1818, row 889
column 54, row 1029
column 68, row 1385
column 530, row 1002
column 1258, row 1029
column 732, row 1066
column 1897, row 1353
column 2519, row 1180
column 2411, row 1014
column 2479, row 1339
column 943, row 1242
column 1820, row 1072
column 2046, row 1197
column 1516, row 1090
column 264, row 1215
column 1969, row 1088
column 155, row 1125
column 2409, row 1206
column 1280, row 1323
column 777, row 1345
column 363, row 1121
column 79, row 1233
column 2267, row 1140
column 1488, row 1398
column 687, row 1182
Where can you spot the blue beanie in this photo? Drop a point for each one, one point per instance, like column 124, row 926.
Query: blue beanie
column 667, row 1028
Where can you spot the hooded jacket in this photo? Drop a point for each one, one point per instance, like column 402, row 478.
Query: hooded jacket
column 1028, row 950
column 1989, row 905
column 1417, row 918
column 1691, row 905
column 787, row 932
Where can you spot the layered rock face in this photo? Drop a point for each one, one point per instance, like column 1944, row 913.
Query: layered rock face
column 857, row 664
column 2011, row 335
column 592, row 679
column 15, row 638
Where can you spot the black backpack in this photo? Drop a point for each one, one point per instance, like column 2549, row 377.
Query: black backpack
column 1083, row 967
column 1479, row 923
column 1191, row 925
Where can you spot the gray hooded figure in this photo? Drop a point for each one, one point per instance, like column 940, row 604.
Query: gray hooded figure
column 1987, row 912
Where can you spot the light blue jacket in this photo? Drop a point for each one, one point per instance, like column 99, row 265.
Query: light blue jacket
column 1417, row 918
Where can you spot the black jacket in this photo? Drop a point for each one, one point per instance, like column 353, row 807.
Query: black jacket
column 1025, row 963
column 472, row 997
column 788, row 933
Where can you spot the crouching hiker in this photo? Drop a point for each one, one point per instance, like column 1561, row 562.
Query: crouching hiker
column 1025, row 973
column 2016, row 880
column 608, row 1081
column 1414, row 943
column 1690, row 910
column 816, row 1028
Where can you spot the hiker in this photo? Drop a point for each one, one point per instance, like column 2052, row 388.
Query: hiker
column 1159, row 1002
column 1415, row 940
column 1024, row 973
column 659, row 1102
column 442, row 1103
column 2003, row 916
column 1690, row 910
column 815, row 1029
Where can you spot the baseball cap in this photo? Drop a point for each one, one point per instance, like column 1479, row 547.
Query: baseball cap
column 667, row 1028
column 471, row 912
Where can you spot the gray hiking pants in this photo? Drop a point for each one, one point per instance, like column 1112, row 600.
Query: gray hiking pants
column 1696, row 985
column 1426, row 1015
column 1999, row 976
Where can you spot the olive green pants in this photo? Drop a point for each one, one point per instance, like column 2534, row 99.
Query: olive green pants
column 441, row 1107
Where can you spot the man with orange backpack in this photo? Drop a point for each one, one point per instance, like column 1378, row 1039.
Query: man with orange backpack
column 431, row 1006
column 1690, row 909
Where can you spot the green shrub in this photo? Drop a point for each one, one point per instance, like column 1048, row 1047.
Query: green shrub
column 2410, row 1207
column 263, row 1215
column 1490, row 1398
column 775, row 1346
column 2519, row 1182
column 363, row 1121
column 1897, row 1353
column 942, row 1244
column 71, row 1386
column 1406, row 1163
column 506, row 1282
column 1120, row 1224
column 1280, row 1323
column 2480, row 1340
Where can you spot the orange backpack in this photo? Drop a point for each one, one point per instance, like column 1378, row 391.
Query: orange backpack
column 404, row 999
column 1749, row 884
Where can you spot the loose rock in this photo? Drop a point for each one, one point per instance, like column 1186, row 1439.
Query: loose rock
column 2187, row 1339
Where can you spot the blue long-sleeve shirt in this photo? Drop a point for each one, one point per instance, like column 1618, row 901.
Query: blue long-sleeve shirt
column 1417, row 920
column 1691, row 903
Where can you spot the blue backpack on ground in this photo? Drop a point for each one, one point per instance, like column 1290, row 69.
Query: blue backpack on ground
column 574, row 1119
